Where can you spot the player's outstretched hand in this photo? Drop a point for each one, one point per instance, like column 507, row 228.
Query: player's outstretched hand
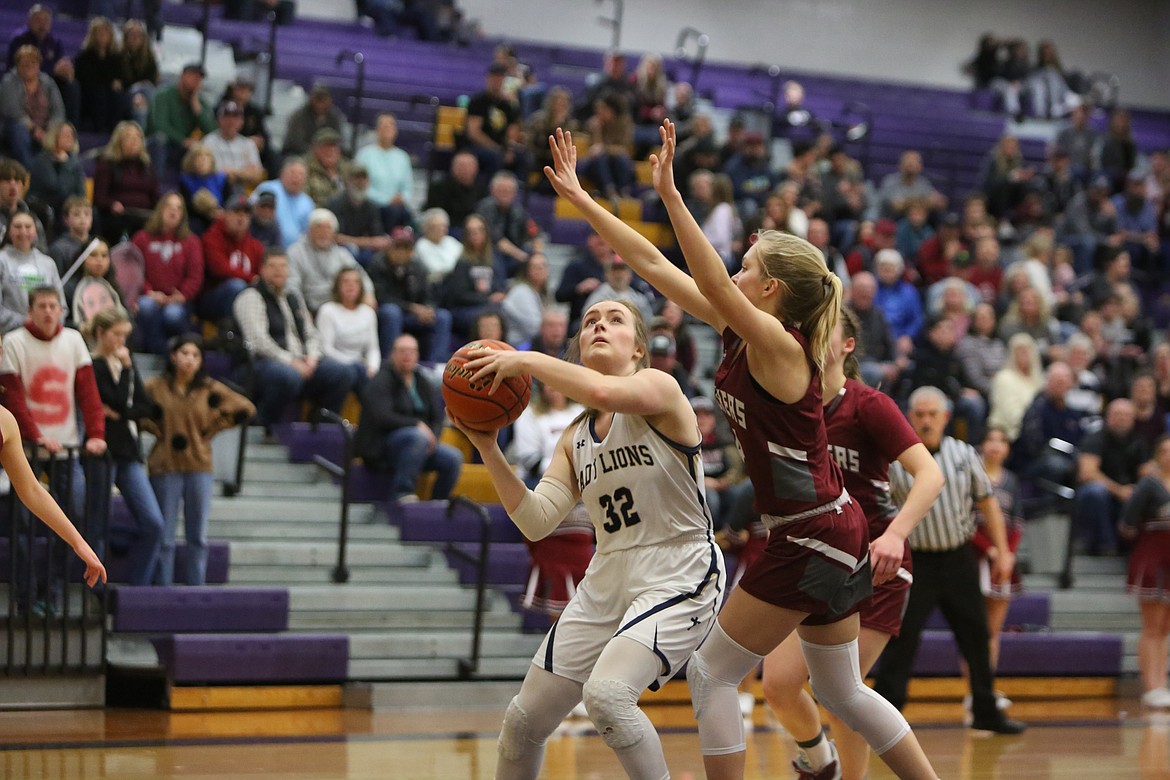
column 662, row 164
column 497, row 363
column 563, row 172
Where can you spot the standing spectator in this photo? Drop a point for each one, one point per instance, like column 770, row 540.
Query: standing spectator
column 877, row 353
column 52, row 60
column 56, row 172
column 898, row 299
column 125, row 187
column 173, row 273
column 29, row 103
column 1109, row 464
column 946, row 573
column 583, row 275
column 349, row 329
column 324, row 166
column 139, row 70
column 293, row 204
column 315, row 259
column 178, row 118
column 23, row 268
column 231, row 259
column 390, row 172
column 438, row 250
column 235, row 154
column 1048, row 83
column 611, row 141
column 898, row 189
column 406, row 300
column 285, row 347
column 77, row 217
column 47, row 376
column 193, row 408
column 400, row 425
column 317, row 114
column 1015, row 385
column 126, row 404
column 492, row 131
column 459, row 191
column 476, row 282
column 205, row 190
column 513, row 232
column 526, row 300
column 1118, row 149
column 553, row 334
column 1144, row 522
column 1078, row 139
column 99, row 76
column 1011, row 79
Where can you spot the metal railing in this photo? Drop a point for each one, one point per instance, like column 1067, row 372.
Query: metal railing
column 468, row 667
column 342, row 472
column 355, row 120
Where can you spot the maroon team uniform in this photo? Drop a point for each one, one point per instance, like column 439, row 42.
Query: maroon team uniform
column 867, row 432
column 817, row 557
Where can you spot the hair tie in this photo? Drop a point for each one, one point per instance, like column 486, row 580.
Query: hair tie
column 827, row 284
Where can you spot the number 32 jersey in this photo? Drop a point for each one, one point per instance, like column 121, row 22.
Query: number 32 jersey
column 639, row 487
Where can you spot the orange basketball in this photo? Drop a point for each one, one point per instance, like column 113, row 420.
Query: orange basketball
column 471, row 402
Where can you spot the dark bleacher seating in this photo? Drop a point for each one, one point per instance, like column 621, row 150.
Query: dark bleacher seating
column 1033, row 654
column 1028, row 612
column 199, row 609
column 193, row 659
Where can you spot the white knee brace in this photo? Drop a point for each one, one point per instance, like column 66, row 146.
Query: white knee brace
column 613, row 708
column 515, row 742
column 836, row 682
column 713, row 674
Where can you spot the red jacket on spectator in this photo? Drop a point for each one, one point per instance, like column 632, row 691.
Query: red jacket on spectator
column 171, row 263
column 130, row 182
column 225, row 257
column 988, row 280
column 932, row 262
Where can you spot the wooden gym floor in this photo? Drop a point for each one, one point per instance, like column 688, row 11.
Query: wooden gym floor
column 1072, row 739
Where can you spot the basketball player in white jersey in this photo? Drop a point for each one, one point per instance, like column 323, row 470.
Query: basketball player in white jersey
column 651, row 593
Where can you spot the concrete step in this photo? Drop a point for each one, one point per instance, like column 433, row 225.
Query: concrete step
column 246, row 509
column 1082, row 583
column 311, row 554
column 363, row 598
column 267, row 453
column 406, row 620
column 321, row 490
column 435, row 668
column 440, row 644
column 324, row 531
column 358, row 575
column 296, row 473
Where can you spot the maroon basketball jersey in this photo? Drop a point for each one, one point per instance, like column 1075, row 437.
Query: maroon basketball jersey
column 867, row 432
column 784, row 448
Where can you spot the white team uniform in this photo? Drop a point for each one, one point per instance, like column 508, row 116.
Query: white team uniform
column 657, row 576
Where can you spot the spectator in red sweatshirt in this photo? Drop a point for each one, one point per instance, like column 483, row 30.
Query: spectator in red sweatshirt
column 231, row 257
column 174, row 273
column 942, row 254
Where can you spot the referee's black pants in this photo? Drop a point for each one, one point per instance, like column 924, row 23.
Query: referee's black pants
column 950, row 581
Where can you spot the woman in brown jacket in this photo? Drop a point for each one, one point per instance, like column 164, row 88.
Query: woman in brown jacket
column 192, row 409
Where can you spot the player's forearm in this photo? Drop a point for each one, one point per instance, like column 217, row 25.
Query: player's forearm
column 508, row 486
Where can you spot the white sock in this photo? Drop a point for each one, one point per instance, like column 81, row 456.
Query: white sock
column 818, row 754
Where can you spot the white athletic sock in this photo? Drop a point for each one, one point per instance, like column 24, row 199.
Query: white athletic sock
column 818, row 753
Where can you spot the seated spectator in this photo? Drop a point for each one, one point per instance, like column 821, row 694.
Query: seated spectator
column 488, row 325
column 980, row 350
column 400, row 425
column 1011, row 79
column 913, row 228
column 1028, row 314
column 985, row 272
column 39, row 34
column 844, row 195
column 236, row 155
column 936, row 364
column 607, row 164
column 514, row 234
column 14, row 182
column 898, row 299
column 492, row 133
column 670, row 320
column 872, row 237
column 406, row 300
column 285, row 348
column 1048, row 83
column 23, row 268
column 77, row 216
column 264, row 226
column 1078, row 140
column 1119, row 151
column 985, row 65
column 293, row 204
column 315, row 259
column 713, row 204
column 537, row 432
column 662, row 358
column 1015, row 385
column 648, row 107
column 552, row 338
column 93, row 288
column 618, row 286
column 1112, row 269
column 1138, row 223
column 99, row 76
column 700, row 152
column 750, row 171
column 526, row 299
column 1088, row 376
column 255, row 128
column 909, row 183
column 583, row 275
column 1005, row 177
column 125, row 187
column 231, row 259
column 349, row 329
column 56, row 172
column 359, row 220
column 173, row 274
column 205, row 190
column 437, row 250
column 877, row 352
column 940, row 255
column 612, row 79
column 1036, row 264
column 390, row 172
column 178, row 118
column 324, row 162
column 317, row 114
column 458, row 192
column 954, row 299
column 1049, row 417
column 29, row 104
column 1090, row 221
column 193, row 408
column 1057, row 184
column 556, row 113
column 1128, row 335
column 1149, row 424
column 139, row 70
column 1109, row 463
column 726, row 482
column 476, row 283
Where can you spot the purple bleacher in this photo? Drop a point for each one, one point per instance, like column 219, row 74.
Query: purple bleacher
column 427, row 521
column 508, row 563
column 199, row 609
column 253, row 658
column 1028, row 611
column 1039, row 654
column 305, row 441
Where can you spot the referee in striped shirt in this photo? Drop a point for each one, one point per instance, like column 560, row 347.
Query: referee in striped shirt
column 946, row 574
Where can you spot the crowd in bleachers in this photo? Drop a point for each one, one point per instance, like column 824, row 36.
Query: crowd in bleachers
column 1027, row 302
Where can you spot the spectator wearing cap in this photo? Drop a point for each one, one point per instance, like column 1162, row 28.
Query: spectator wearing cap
column 406, row 300
column 514, row 233
column 264, row 227
column 29, row 103
column 293, row 204
column 38, row 33
column 1138, row 222
column 1090, row 221
column 493, row 130
column 235, row 154
column 872, row 237
column 255, row 129
column 898, row 299
column 1057, row 183
column 359, row 220
column 390, row 171
column 663, row 357
column 231, row 259
column 459, row 191
column 325, row 166
column 897, row 189
column 751, row 174
column 618, row 286
column 315, row 259
column 178, row 118
column 318, row 113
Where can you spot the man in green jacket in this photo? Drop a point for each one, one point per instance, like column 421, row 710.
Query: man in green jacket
column 178, row 118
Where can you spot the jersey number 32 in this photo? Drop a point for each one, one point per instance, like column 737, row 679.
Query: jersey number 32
column 619, row 510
